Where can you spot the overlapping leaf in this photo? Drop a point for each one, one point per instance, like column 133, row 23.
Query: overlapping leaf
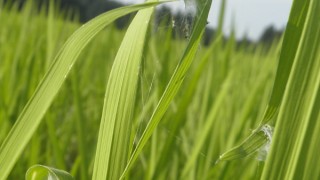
column 297, row 129
column 176, row 79
column 33, row 112
column 288, row 53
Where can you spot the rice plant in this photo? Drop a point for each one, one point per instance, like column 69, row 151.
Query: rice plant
column 94, row 102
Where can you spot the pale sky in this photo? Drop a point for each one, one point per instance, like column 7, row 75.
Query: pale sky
column 250, row 16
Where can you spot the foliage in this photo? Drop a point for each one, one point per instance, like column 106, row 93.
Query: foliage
column 170, row 107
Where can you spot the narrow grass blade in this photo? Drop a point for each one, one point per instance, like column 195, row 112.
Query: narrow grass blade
column 116, row 122
column 196, row 150
column 180, row 116
column 288, row 53
column 175, row 81
column 289, row 158
column 37, row 172
column 33, row 112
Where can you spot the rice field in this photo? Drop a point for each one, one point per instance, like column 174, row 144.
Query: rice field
column 95, row 102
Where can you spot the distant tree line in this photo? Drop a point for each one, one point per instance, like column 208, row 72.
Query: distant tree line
column 84, row 9
column 164, row 16
column 180, row 21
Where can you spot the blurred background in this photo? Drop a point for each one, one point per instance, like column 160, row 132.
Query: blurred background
column 255, row 21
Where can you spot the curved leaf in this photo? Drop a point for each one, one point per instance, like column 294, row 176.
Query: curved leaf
column 294, row 152
column 115, row 127
column 40, row 172
column 175, row 81
column 289, row 48
column 31, row 116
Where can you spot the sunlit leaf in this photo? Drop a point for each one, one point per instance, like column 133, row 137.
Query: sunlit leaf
column 35, row 109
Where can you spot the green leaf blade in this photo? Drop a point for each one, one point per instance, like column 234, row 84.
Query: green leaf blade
column 116, row 122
